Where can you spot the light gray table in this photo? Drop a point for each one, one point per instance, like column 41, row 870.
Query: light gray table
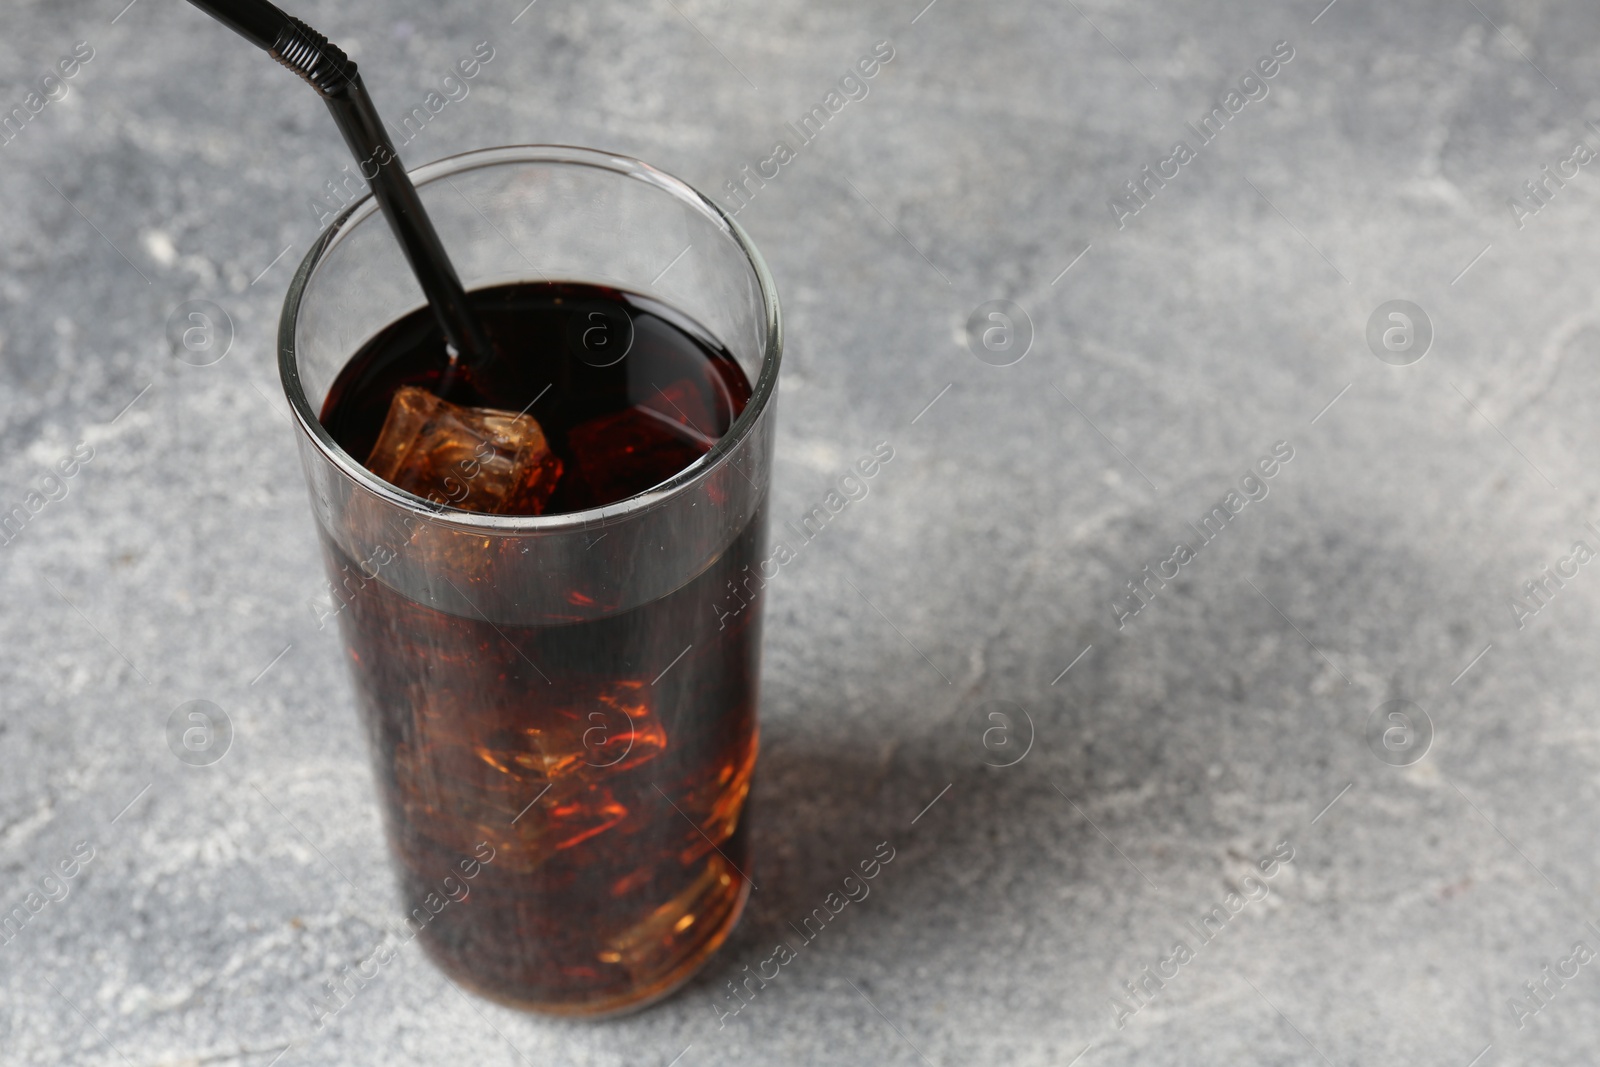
column 1171, row 349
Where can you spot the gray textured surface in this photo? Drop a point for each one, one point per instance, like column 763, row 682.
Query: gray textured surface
column 1173, row 754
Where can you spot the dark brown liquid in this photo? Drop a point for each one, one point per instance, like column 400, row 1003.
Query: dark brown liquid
column 605, row 762
column 627, row 390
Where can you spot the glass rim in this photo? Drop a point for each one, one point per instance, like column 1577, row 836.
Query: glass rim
column 762, row 391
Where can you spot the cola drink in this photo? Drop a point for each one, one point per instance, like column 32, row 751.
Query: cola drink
column 588, row 766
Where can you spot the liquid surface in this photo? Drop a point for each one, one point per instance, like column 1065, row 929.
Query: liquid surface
column 627, row 391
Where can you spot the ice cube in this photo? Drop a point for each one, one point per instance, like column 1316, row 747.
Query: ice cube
column 622, row 730
column 686, row 405
column 476, row 459
column 532, row 778
column 704, row 902
column 628, row 451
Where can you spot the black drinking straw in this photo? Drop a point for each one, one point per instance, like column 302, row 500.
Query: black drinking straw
column 334, row 76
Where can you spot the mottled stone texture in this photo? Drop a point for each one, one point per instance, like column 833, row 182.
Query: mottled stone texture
column 995, row 547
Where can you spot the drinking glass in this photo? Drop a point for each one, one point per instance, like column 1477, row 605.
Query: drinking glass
column 561, row 708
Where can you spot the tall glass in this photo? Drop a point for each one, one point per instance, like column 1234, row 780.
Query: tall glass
column 562, row 708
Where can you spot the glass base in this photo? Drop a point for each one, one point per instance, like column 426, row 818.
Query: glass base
column 612, row 1006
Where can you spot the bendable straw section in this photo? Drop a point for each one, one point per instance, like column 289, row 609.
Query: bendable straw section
column 322, row 64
